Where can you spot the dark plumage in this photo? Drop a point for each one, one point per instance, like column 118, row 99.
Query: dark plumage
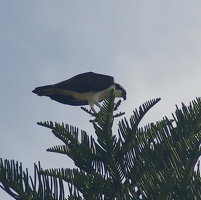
column 83, row 89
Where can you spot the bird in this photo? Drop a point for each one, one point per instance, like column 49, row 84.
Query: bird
column 87, row 88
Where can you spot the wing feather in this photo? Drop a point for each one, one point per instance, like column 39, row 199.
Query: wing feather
column 86, row 82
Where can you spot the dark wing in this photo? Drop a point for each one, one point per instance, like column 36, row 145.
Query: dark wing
column 54, row 94
column 69, row 100
column 86, row 82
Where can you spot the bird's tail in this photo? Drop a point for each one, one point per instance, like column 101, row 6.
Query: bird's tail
column 44, row 90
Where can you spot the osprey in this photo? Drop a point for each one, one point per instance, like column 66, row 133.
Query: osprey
column 84, row 89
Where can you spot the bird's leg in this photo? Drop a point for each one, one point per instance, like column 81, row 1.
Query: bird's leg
column 95, row 99
column 93, row 109
column 91, row 104
column 98, row 104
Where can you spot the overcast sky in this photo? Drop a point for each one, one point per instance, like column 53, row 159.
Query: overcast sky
column 153, row 48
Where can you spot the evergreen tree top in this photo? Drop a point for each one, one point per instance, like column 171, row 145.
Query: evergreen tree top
column 158, row 161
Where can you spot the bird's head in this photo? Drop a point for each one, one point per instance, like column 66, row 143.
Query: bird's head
column 120, row 91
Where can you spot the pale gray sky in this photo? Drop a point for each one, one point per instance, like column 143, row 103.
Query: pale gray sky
column 153, row 48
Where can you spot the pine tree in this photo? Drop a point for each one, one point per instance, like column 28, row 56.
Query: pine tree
column 158, row 161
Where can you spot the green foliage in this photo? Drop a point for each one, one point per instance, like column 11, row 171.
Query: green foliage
column 159, row 161
column 18, row 184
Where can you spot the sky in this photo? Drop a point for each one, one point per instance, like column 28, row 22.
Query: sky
column 153, row 48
